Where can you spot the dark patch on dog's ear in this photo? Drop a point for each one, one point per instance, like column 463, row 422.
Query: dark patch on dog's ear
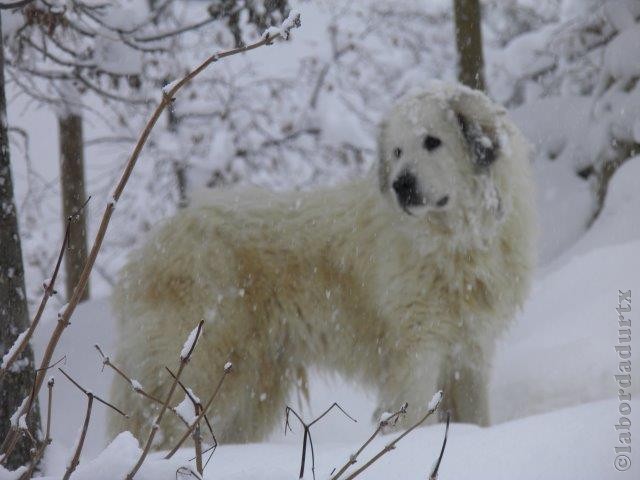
column 483, row 144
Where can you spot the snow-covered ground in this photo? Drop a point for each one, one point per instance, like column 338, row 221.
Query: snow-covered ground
column 571, row 443
column 554, row 398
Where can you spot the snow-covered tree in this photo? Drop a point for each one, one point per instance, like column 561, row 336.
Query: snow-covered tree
column 571, row 76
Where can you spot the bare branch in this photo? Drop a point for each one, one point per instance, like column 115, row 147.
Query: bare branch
column 434, row 404
column 436, row 466
column 47, row 436
column 197, row 440
column 195, row 403
column 137, row 387
column 307, row 434
column 106, row 362
column 176, row 32
column 227, row 369
column 390, row 420
column 185, row 472
column 156, row 424
column 87, row 392
column 184, row 360
column 83, row 434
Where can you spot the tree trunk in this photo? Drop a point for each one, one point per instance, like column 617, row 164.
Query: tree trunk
column 14, row 315
column 469, row 43
column 73, row 198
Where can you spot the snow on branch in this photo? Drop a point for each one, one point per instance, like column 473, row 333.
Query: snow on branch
column 284, row 31
column 190, row 343
column 226, row 371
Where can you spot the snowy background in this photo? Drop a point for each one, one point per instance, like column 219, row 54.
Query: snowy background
column 304, row 113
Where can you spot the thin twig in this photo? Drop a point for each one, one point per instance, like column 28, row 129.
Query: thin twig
column 195, row 403
column 137, row 387
column 226, row 371
column 106, row 362
column 197, row 437
column 184, row 360
column 87, row 392
column 197, row 440
column 187, row 472
column 11, row 440
column 47, row 436
column 436, row 467
column 391, row 419
column 392, row 445
column 83, row 434
column 307, row 434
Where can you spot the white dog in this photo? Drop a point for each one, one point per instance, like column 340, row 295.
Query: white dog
column 401, row 281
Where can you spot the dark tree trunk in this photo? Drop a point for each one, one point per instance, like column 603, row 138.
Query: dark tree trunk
column 14, row 315
column 469, row 43
column 73, row 198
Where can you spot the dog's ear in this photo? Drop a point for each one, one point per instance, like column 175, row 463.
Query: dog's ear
column 476, row 118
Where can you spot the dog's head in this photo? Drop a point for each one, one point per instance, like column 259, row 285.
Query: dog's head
column 439, row 151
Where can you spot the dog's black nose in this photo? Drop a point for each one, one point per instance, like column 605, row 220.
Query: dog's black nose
column 406, row 188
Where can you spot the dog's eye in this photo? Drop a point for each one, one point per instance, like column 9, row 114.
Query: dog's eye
column 431, row 143
column 397, row 152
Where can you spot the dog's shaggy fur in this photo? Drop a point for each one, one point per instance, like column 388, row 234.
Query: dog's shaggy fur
column 401, row 281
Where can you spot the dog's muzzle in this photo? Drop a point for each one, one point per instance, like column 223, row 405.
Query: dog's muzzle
column 408, row 192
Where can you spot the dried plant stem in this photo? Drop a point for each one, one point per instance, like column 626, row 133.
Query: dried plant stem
column 226, row 371
column 96, row 397
column 47, row 436
column 196, row 404
column 167, row 98
column 307, row 434
column 83, row 434
column 155, row 426
column 197, row 433
column 197, row 441
column 392, row 419
column 90, row 398
column 184, row 360
column 106, row 361
column 390, row 446
column 436, row 467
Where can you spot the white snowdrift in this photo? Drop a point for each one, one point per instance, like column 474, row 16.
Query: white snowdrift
column 574, row 443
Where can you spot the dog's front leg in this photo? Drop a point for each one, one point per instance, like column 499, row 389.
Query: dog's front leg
column 464, row 377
